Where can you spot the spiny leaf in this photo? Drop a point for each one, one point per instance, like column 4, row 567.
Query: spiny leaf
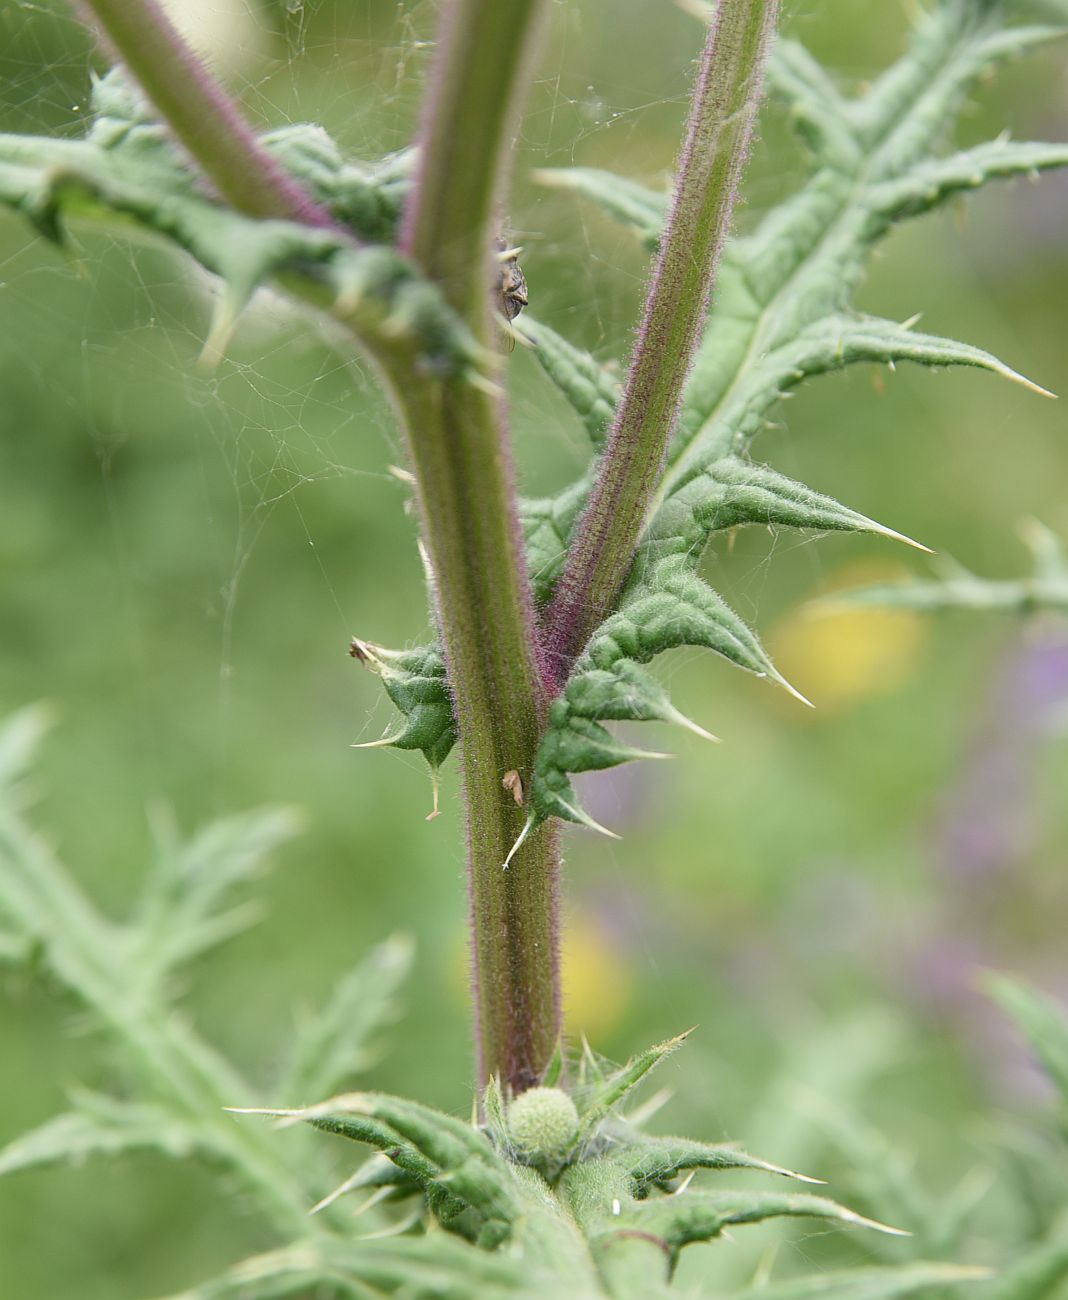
column 597, row 1196
column 868, row 1283
column 930, row 183
column 841, row 340
column 104, row 1126
column 719, row 419
column 417, row 1268
column 455, row 1163
column 334, row 1116
column 416, row 682
column 700, row 1216
column 652, row 1162
column 443, row 1139
column 184, row 910
column 592, row 389
column 732, row 492
column 338, row 1042
column 127, row 168
column 609, row 1091
column 802, row 264
column 671, row 606
column 666, row 605
column 101, row 963
column 820, row 114
column 547, row 524
column 367, row 197
column 626, row 200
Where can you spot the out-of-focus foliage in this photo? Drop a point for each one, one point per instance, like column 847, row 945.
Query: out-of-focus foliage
column 1045, row 588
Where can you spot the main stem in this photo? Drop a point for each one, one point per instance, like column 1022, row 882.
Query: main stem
column 725, row 101
column 461, row 455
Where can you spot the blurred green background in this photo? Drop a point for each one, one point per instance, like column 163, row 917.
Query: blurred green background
column 183, row 558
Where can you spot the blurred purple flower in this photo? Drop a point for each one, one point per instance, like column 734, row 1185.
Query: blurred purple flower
column 987, row 824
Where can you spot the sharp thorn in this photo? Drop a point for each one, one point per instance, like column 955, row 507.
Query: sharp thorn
column 220, row 334
column 792, row 1173
column 1017, row 378
column 792, row 690
column 435, row 786
column 583, row 818
column 683, row 721
column 376, row 744
column 338, row 1191
column 864, row 1222
column 528, row 826
column 895, row 536
column 374, row 1199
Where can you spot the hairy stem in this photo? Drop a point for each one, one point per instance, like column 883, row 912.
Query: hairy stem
column 463, row 480
column 462, row 461
column 200, row 113
column 467, row 127
column 725, row 102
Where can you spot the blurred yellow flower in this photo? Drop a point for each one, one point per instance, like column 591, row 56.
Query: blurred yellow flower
column 837, row 655
column 597, row 980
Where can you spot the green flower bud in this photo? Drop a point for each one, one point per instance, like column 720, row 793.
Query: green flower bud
column 542, row 1122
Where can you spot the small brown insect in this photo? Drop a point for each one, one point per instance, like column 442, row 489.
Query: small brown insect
column 513, row 782
column 511, row 283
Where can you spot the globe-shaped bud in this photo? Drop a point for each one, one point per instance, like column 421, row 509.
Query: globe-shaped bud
column 542, row 1123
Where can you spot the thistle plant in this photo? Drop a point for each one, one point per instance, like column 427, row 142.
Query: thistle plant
column 547, row 612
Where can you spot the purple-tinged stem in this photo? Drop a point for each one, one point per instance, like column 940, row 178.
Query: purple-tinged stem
column 725, row 102
column 201, row 114
column 461, row 455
